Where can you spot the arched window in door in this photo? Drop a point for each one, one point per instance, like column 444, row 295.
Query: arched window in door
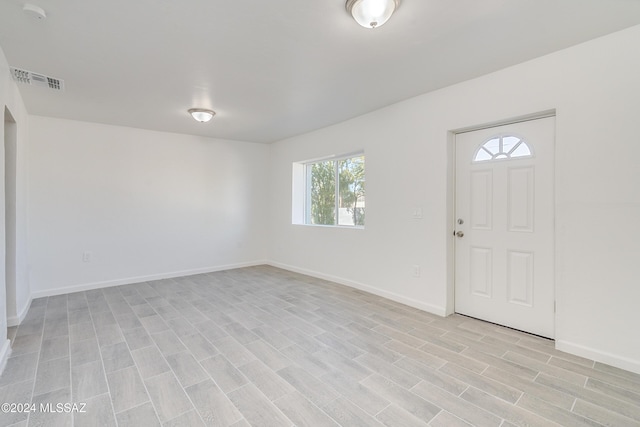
column 502, row 147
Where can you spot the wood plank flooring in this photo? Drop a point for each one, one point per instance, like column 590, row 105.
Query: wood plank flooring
column 266, row 347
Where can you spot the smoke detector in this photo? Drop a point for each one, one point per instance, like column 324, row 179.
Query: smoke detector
column 35, row 79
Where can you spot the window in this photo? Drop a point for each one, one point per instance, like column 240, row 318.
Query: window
column 333, row 192
column 502, row 147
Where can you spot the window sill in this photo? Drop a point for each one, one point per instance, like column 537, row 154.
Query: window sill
column 348, row 227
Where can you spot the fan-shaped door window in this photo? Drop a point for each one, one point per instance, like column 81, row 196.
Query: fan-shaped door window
column 502, row 147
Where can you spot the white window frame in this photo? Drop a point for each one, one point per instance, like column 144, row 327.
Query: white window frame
column 301, row 200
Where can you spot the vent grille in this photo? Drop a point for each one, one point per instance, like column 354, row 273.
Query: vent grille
column 35, row 79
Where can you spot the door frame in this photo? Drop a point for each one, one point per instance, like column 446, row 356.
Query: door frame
column 451, row 197
column 10, row 202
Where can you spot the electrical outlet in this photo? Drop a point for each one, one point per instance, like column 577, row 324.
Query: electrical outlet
column 86, row 256
column 416, row 271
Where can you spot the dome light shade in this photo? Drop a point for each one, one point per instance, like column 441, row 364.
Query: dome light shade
column 372, row 13
column 201, row 114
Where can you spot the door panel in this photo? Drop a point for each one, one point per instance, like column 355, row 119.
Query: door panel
column 481, row 199
column 520, row 279
column 504, row 211
column 481, row 276
column 521, row 199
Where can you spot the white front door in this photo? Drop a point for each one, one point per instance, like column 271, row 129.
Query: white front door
column 505, row 225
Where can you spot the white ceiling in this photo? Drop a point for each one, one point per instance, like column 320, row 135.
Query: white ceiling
column 274, row 69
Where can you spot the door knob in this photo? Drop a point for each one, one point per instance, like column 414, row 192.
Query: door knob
column 459, row 234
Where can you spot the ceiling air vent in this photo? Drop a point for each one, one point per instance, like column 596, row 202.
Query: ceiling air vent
column 35, row 79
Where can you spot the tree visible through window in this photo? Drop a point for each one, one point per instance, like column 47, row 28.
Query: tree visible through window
column 336, row 192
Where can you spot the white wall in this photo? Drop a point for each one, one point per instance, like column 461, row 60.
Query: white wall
column 144, row 204
column 595, row 89
column 11, row 100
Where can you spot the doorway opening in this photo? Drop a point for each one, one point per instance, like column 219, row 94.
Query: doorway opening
column 10, row 168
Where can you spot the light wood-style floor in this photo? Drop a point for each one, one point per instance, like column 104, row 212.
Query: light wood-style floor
column 265, row 347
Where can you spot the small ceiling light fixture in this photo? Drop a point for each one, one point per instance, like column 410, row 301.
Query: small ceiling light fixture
column 34, row 11
column 201, row 114
column 372, row 13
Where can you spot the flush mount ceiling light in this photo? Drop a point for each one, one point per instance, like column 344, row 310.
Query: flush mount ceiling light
column 372, row 13
column 201, row 114
column 34, row 11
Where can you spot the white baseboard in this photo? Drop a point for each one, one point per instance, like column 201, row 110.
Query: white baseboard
column 599, row 356
column 429, row 308
column 16, row 320
column 5, row 352
column 139, row 279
